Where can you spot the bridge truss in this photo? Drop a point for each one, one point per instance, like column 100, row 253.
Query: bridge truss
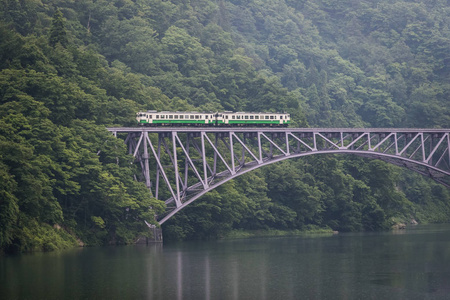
column 182, row 164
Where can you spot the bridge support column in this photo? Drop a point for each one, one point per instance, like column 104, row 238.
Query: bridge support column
column 155, row 236
column 146, row 165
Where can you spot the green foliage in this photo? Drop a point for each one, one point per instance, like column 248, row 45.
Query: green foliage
column 70, row 68
column 58, row 166
column 35, row 236
column 9, row 207
column 58, row 31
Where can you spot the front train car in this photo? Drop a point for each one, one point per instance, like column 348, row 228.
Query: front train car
column 254, row 119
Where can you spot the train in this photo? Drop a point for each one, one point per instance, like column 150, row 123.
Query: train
column 218, row 119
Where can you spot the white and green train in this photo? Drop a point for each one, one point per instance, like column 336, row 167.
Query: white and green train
column 227, row 118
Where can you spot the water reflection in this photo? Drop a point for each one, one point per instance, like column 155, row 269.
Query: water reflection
column 341, row 267
column 414, row 265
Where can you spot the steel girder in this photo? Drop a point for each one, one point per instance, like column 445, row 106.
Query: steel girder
column 182, row 164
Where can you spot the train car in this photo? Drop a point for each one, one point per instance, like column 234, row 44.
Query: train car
column 254, row 119
column 227, row 118
column 169, row 118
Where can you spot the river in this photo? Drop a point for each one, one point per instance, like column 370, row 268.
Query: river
column 407, row 264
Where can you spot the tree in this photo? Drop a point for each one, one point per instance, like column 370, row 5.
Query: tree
column 57, row 31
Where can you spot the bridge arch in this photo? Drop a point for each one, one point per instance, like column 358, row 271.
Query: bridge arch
column 191, row 162
column 385, row 157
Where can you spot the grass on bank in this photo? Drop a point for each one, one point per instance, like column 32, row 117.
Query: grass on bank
column 310, row 230
column 41, row 237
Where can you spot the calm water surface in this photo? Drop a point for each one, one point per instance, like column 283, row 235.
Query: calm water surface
column 408, row 264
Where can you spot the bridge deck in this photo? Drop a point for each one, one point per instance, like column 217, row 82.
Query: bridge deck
column 271, row 129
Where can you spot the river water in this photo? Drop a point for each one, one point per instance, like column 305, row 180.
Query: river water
column 406, row 264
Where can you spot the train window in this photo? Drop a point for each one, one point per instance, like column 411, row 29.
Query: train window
column 162, row 116
column 181, row 116
column 252, row 117
column 233, row 117
column 150, row 116
column 197, row 116
column 238, row 117
column 157, row 116
column 170, row 116
column 192, row 117
column 267, row 117
column 176, row 116
column 226, row 117
column 271, row 117
column 206, row 116
column 256, row 117
column 246, row 117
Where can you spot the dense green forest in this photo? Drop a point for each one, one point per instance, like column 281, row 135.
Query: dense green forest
column 68, row 68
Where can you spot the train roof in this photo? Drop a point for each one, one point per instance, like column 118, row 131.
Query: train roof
column 209, row 112
column 178, row 112
column 256, row 113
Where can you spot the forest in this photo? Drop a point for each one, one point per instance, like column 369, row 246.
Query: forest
column 70, row 68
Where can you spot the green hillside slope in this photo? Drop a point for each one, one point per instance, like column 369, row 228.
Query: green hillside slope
column 70, row 68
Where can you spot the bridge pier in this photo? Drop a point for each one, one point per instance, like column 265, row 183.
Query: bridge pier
column 155, row 236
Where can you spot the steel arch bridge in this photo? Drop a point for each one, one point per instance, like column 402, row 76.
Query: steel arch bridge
column 182, row 164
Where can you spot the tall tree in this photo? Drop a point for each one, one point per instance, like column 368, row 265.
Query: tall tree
column 58, row 32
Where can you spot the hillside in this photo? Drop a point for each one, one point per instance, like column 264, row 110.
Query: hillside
column 70, row 68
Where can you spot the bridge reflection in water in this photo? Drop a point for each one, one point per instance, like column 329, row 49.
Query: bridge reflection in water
column 185, row 163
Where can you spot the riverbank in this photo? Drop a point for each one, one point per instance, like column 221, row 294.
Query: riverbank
column 243, row 234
